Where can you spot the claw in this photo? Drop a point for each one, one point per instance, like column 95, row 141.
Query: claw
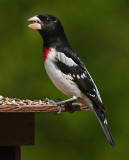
column 67, row 102
column 59, row 99
column 55, row 103
column 50, row 101
column 59, row 110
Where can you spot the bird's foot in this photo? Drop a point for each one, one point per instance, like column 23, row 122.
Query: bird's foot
column 67, row 103
column 48, row 101
column 55, row 103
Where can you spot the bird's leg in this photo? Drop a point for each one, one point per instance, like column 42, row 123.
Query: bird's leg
column 67, row 102
column 70, row 100
column 50, row 101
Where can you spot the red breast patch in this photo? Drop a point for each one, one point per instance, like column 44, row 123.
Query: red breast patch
column 45, row 53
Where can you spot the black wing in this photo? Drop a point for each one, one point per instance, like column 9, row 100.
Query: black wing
column 72, row 65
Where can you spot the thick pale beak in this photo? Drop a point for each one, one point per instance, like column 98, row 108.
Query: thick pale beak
column 36, row 23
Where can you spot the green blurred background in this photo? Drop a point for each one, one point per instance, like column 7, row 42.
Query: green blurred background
column 99, row 32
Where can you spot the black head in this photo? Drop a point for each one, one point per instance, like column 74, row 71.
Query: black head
column 49, row 27
column 51, row 24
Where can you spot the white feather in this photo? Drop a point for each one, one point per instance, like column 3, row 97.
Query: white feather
column 66, row 60
column 62, row 81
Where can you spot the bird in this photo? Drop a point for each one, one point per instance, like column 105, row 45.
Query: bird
column 66, row 70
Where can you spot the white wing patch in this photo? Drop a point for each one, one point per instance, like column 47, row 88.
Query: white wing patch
column 66, row 60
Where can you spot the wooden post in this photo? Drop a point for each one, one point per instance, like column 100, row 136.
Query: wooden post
column 10, row 153
column 16, row 129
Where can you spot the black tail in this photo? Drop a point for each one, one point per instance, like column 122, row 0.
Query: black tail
column 103, row 122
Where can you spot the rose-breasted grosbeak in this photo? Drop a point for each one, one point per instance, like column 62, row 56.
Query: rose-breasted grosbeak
column 66, row 70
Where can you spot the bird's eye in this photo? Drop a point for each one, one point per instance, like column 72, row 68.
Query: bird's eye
column 56, row 21
column 47, row 20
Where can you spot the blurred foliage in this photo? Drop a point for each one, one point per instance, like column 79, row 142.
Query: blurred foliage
column 99, row 32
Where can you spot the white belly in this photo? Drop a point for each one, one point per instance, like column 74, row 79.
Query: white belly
column 61, row 81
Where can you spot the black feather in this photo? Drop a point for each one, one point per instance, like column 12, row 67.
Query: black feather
column 86, row 84
column 103, row 122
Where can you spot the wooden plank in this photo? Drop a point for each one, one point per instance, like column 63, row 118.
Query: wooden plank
column 24, row 105
column 40, row 108
column 10, row 153
column 17, row 129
